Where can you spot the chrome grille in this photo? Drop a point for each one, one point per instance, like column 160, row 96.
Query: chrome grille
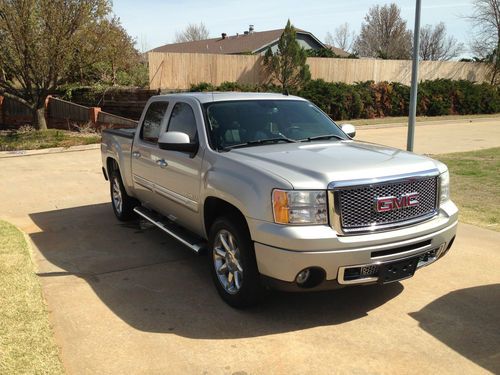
column 356, row 204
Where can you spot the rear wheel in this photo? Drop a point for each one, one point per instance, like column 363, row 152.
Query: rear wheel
column 123, row 204
column 232, row 262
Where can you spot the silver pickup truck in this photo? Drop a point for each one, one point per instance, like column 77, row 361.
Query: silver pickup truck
column 277, row 193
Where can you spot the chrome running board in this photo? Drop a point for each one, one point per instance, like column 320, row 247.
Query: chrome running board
column 182, row 235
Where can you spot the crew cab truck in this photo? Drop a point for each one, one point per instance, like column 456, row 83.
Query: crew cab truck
column 277, row 193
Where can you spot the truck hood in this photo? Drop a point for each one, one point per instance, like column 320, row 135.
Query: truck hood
column 314, row 165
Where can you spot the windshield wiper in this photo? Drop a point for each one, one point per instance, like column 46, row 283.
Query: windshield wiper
column 260, row 142
column 322, row 137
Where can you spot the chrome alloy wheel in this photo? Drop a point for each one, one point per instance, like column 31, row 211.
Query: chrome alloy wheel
column 117, row 195
column 227, row 262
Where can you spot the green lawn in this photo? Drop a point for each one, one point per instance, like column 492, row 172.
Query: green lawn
column 404, row 120
column 475, row 185
column 34, row 140
column 26, row 340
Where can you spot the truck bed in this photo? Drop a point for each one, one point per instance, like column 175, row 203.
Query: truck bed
column 117, row 145
column 122, row 132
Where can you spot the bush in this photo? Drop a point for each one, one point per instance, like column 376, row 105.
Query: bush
column 202, row 87
column 369, row 99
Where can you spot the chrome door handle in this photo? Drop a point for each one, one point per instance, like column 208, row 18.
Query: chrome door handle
column 136, row 154
column 162, row 163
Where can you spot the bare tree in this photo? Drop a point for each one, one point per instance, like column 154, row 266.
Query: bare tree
column 343, row 37
column 384, row 34
column 486, row 40
column 143, row 44
column 192, row 32
column 39, row 39
column 436, row 45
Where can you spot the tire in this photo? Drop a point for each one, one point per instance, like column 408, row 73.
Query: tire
column 235, row 257
column 123, row 204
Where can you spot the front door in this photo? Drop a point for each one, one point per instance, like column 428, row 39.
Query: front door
column 178, row 180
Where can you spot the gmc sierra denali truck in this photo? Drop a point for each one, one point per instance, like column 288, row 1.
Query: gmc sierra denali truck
column 277, row 193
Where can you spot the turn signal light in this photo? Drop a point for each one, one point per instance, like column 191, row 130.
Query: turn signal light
column 280, row 207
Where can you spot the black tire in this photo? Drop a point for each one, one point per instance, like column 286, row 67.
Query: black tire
column 125, row 211
column 250, row 288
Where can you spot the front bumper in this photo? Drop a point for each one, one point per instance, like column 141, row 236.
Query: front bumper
column 321, row 247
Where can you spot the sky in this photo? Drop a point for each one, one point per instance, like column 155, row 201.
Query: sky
column 154, row 22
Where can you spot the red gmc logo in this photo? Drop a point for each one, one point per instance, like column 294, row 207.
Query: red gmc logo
column 386, row 204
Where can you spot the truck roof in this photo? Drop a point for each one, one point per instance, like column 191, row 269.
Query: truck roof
column 207, row 97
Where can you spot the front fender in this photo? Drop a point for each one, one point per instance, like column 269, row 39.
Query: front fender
column 244, row 186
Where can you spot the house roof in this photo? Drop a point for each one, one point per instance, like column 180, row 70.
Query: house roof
column 231, row 44
column 338, row 51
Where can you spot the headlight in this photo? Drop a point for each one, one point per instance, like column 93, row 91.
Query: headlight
column 444, row 187
column 299, row 207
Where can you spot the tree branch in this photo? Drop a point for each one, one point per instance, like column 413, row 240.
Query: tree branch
column 18, row 99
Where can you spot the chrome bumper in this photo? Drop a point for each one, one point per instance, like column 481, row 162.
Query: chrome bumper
column 284, row 265
column 368, row 272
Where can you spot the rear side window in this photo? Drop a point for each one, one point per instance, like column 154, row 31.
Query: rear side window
column 150, row 130
column 183, row 120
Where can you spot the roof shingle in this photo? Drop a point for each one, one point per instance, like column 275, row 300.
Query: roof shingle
column 231, row 44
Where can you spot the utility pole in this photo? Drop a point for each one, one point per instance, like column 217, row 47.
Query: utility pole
column 414, row 79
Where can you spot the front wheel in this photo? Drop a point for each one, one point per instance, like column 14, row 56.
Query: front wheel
column 232, row 262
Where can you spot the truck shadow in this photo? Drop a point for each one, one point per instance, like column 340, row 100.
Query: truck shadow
column 468, row 321
column 154, row 284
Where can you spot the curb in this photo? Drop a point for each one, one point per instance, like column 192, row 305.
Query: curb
column 44, row 151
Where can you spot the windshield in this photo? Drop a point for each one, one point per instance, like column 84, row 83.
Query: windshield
column 251, row 121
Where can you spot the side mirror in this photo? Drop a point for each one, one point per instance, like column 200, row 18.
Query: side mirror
column 177, row 141
column 349, row 129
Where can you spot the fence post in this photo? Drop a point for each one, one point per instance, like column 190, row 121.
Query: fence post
column 46, row 107
column 94, row 115
column 2, row 117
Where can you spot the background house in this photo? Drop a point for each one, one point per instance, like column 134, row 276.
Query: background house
column 249, row 42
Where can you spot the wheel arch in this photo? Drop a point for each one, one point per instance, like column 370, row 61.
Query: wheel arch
column 215, row 207
column 111, row 164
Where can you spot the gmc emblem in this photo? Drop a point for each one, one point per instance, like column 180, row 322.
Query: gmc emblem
column 386, row 204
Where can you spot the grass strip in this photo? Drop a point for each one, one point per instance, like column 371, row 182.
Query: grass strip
column 27, row 344
column 475, row 185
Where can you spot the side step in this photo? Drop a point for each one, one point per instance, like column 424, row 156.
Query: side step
column 182, row 235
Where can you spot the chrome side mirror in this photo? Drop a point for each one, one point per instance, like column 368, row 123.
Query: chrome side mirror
column 349, row 129
column 177, row 141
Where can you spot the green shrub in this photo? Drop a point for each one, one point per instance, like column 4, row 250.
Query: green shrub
column 369, row 99
column 201, row 87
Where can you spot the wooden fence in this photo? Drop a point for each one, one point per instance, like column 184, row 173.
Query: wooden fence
column 60, row 114
column 14, row 113
column 109, row 120
column 62, row 109
column 123, row 101
column 177, row 71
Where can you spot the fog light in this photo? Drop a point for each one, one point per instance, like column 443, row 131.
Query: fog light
column 303, row 276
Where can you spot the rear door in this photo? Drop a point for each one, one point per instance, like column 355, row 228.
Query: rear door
column 178, row 182
column 144, row 150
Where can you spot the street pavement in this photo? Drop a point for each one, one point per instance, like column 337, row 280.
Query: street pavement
column 437, row 137
column 125, row 298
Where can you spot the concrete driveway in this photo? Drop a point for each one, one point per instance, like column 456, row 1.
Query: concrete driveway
column 128, row 299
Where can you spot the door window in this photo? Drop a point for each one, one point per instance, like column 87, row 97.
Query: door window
column 183, row 120
column 150, row 129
